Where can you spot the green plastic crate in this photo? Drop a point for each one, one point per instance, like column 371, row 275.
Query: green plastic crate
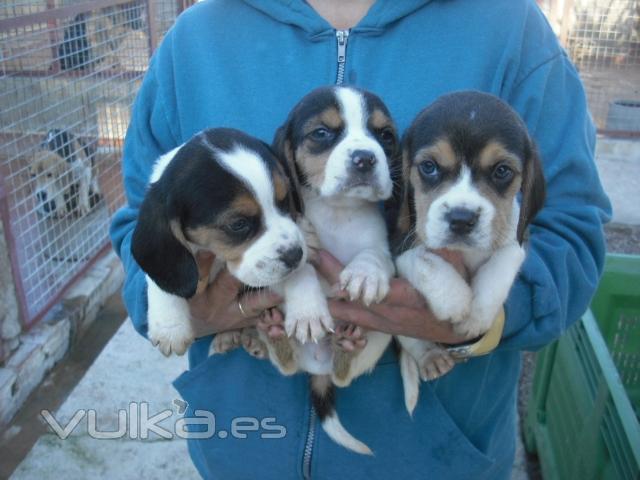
column 582, row 417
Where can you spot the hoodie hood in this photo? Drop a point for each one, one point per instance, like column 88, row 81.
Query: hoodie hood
column 300, row 14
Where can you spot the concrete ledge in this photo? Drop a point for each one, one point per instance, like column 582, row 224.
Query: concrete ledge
column 45, row 344
column 106, row 390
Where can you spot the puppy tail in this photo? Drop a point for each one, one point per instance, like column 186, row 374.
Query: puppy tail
column 323, row 399
column 410, row 380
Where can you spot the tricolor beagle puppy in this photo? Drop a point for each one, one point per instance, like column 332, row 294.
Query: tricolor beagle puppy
column 224, row 192
column 83, row 187
column 54, row 187
column 341, row 150
column 465, row 159
column 340, row 145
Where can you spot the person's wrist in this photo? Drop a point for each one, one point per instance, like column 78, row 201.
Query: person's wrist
column 484, row 344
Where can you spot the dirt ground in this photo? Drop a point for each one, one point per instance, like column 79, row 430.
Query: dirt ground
column 620, row 239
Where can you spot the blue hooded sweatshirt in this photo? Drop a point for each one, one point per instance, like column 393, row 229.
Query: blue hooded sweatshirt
column 244, row 64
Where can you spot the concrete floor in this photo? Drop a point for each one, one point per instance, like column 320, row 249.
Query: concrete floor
column 128, row 371
column 618, row 163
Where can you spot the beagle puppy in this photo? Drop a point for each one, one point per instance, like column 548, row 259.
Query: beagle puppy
column 224, row 192
column 79, row 159
column 55, row 187
column 340, row 145
column 465, row 159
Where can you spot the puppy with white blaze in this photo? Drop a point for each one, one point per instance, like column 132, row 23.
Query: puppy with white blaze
column 223, row 192
column 465, row 159
column 340, row 148
column 340, row 145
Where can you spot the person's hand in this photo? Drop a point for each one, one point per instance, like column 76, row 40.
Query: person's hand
column 403, row 312
column 216, row 307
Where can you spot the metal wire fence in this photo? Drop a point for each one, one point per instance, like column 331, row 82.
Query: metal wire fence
column 603, row 39
column 69, row 71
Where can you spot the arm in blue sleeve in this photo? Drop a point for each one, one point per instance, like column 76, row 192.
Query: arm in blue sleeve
column 149, row 135
column 566, row 248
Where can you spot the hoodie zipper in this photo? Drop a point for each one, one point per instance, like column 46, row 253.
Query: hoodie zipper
column 342, row 37
column 308, row 446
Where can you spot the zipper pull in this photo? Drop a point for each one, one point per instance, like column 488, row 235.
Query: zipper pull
column 342, row 36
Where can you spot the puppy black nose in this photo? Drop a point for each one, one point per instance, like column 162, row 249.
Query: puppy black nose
column 291, row 257
column 42, row 196
column 461, row 220
column 363, row 160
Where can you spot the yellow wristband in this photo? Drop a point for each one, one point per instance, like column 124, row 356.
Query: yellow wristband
column 487, row 343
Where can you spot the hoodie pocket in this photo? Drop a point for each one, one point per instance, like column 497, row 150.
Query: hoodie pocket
column 427, row 445
column 243, row 418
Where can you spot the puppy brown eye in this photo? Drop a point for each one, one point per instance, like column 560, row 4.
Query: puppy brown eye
column 502, row 173
column 240, row 228
column 387, row 137
column 429, row 169
column 322, row 134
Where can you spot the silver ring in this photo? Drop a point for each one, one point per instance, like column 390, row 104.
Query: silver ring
column 242, row 310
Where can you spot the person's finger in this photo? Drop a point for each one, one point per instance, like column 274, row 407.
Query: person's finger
column 402, row 293
column 254, row 303
column 395, row 320
column 455, row 258
column 328, row 266
column 223, row 323
column 417, row 323
column 353, row 312
column 223, row 288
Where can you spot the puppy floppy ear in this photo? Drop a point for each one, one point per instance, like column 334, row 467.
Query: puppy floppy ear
column 158, row 250
column 284, row 152
column 533, row 189
column 402, row 216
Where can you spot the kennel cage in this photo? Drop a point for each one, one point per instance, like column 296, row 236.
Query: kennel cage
column 69, row 72
column 602, row 37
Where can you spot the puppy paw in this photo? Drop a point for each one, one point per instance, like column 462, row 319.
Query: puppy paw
column 349, row 338
column 455, row 307
column 84, row 209
column 224, row 342
column 434, row 363
column 477, row 323
column 307, row 319
column 271, row 322
column 365, row 281
column 171, row 338
column 252, row 343
column 448, row 294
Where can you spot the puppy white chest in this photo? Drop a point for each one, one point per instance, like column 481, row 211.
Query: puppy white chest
column 346, row 230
